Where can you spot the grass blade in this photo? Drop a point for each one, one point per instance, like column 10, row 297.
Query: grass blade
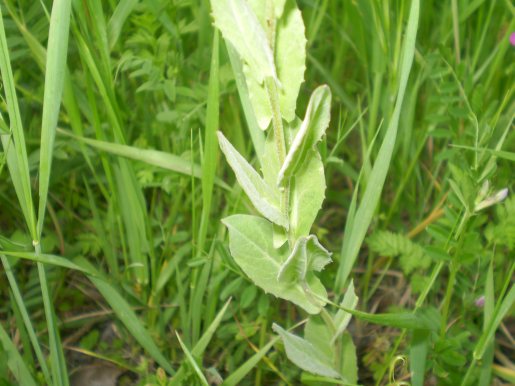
column 18, row 162
column 121, row 13
column 127, row 316
column 15, row 360
column 54, row 260
column 192, row 362
column 256, row 134
column 235, row 378
column 26, row 318
column 210, row 142
column 375, row 183
column 54, row 82
column 151, row 157
column 201, row 345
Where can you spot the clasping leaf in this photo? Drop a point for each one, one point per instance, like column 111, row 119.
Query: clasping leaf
column 311, row 131
column 308, row 255
column 251, row 246
column 263, row 197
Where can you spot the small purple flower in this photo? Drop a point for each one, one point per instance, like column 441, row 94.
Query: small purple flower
column 480, row 301
column 512, row 38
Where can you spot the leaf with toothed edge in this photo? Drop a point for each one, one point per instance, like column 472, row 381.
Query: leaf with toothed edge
column 239, row 25
column 311, row 131
column 251, row 245
column 290, row 62
column 308, row 255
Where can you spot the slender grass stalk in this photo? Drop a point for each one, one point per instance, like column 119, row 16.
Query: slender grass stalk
column 366, row 209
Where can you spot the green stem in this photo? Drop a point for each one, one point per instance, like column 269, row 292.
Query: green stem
column 447, row 299
column 280, row 144
column 59, row 373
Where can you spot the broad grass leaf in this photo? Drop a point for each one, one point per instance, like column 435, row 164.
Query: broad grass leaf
column 240, row 26
column 290, row 62
column 308, row 255
column 265, row 199
column 313, row 128
column 251, row 245
column 305, row 355
column 366, row 209
column 307, row 195
column 55, row 70
column 342, row 318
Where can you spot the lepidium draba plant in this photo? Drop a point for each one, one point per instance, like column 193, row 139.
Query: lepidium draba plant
column 277, row 251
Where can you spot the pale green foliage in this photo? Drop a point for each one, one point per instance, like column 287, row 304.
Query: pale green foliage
column 280, row 255
column 307, row 195
column 240, row 26
column 290, row 58
column 306, row 355
column 311, row 131
column 264, row 198
column 252, row 247
column 308, row 255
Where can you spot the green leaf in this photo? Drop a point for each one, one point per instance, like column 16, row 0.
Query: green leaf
column 342, row 318
column 251, row 245
column 54, row 82
column 418, row 356
column 192, row 362
column 57, row 261
column 290, row 61
column 200, row 346
column 318, row 334
column 14, row 145
column 157, row 158
column 308, row 255
column 290, row 57
column 240, row 26
column 265, row 199
column 421, row 319
column 260, row 9
column 349, row 360
column 116, row 22
column 412, row 255
column 14, row 360
column 311, row 131
column 306, row 356
column 500, row 311
column 307, row 195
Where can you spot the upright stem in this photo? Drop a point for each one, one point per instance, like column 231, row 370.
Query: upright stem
column 280, row 145
column 273, row 98
column 277, row 122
